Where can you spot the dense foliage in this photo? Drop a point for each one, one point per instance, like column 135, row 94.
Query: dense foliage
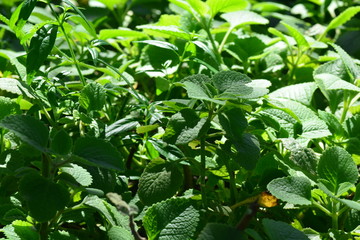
column 179, row 119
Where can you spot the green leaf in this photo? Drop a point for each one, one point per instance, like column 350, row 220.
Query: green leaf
column 299, row 38
column 99, row 152
column 226, row 6
column 126, row 33
column 14, row 86
column 248, row 150
column 279, row 120
column 8, row 107
column 333, row 123
column 294, row 190
column 80, row 174
column 199, row 7
column 215, row 231
column 240, row 18
column 230, row 82
column 350, row 203
column 159, row 181
column 61, row 143
column 43, row 197
column 277, row 230
column 302, row 159
column 161, row 44
column 332, row 82
column 28, row 129
column 169, row 151
column 40, row 47
column 101, row 206
column 336, row 166
column 302, row 92
column 119, row 233
column 173, row 219
column 168, row 31
column 92, row 96
column 352, row 69
column 184, row 126
column 19, row 230
column 26, row 9
column 234, row 123
column 343, row 17
column 269, row 7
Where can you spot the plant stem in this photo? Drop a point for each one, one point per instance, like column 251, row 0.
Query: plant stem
column 334, row 216
column 345, row 107
column 2, row 145
column 232, row 187
column 224, row 39
column 202, row 172
column 45, row 171
column 322, row 208
column 82, row 79
column 44, row 231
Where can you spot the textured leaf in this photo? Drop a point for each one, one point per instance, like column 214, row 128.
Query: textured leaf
column 80, row 174
column 232, row 83
column 332, row 82
column 119, row 233
column 215, row 231
column 226, row 6
column 101, row 206
column 343, row 17
column 277, row 230
column 169, row 151
column 121, row 126
column 61, row 143
column 294, row 190
column 248, row 150
column 19, row 230
column 184, row 127
column 234, row 123
column 336, row 166
column 14, row 86
column 99, row 152
column 279, row 120
column 301, row 158
column 159, row 181
column 333, row 123
column 240, row 18
column 28, row 129
column 92, row 96
column 315, row 128
column 302, row 92
column 161, row 44
column 126, row 33
column 352, row 68
column 350, row 203
column 199, row 7
column 173, row 219
column 8, row 107
column 43, row 197
column 40, row 47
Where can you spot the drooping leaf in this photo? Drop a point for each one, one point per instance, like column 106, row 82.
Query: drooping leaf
column 61, row 143
column 240, row 18
column 43, row 197
column 184, row 127
column 26, row 9
column 248, row 150
column 234, row 123
column 119, row 233
column 333, row 123
column 294, row 190
column 277, row 230
column 98, row 152
column 283, row 122
column 332, row 82
column 159, row 181
column 215, row 231
column 336, row 166
column 161, row 44
column 350, row 203
column 80, row 174
column 169, row 151
column 14, row 86
column 175, row 219
column 40, row 47
column 28, row 129
column 230, row 82
column 302, row 92
column 92, row 96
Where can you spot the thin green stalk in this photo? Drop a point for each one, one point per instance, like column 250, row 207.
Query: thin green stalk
column 203, row 173
column 322, row 208
column 232, row 187
column 334, row 216
column 345, row 107
column 2, row 145
column 45, row 171
column 82, row 79
column 44, row 231
column 222, row 44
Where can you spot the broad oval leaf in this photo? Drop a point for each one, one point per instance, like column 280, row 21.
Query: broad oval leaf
column 61, row 143
column 80, row 174
column 226, row 6
column 26, row 9
column 294, row 190
column 240, row 18
column 277, row 230
column 159, row 181
column 28, row 129
column 302, row 92
column 332, row 82
column 43, row 197
column 173, row 219
column 99, row 152
column 299, row 38
column 92, row 96
column 8, row 107
column 336, row 166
